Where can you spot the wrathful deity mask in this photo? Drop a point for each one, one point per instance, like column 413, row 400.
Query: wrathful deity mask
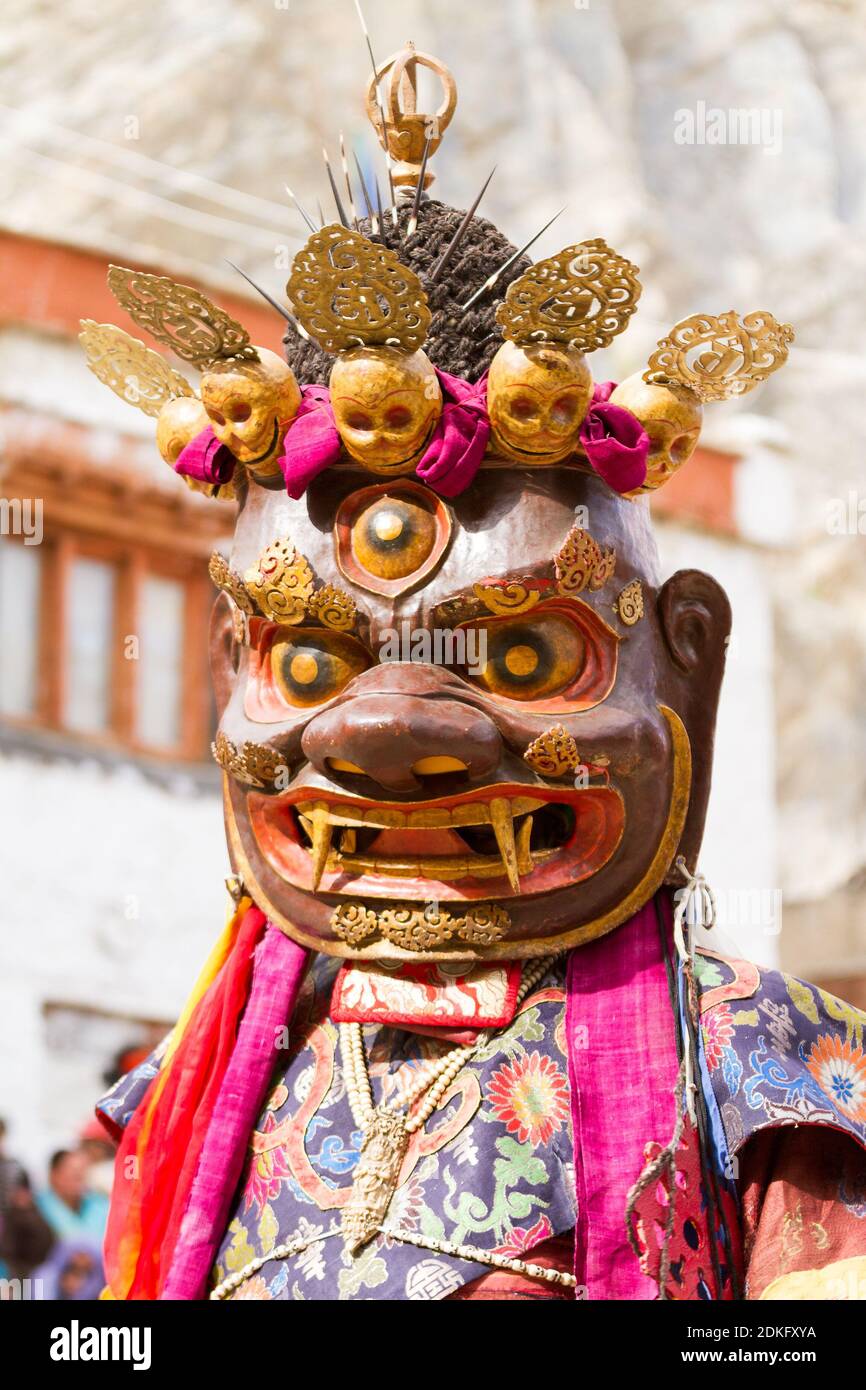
column 460, row 716
column 386, row 404
column 537, row 396
column 401, row 817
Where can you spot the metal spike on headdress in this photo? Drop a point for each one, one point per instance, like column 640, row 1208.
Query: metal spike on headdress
column 460, row 233
column 352, row 209
column 491, row 279
column 371, row 211
column 380, row 214
column 322, row 218
column 366, row 34
column 341, row 211
column 412, row 224
column 309, row 221
column 274, row 303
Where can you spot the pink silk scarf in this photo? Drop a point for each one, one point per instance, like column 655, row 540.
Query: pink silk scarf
column 622, row 1065
column 614, row 441
column 278, row 970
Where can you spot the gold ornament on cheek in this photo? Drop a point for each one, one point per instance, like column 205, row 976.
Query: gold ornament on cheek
column 253, row 764
column 580, row 563
column 349, row 292
column 554, row 753
column 582, row 298
column 281, row 583
column 629, row 605
column 135, row 373
column 179, row 316
column 719, row 356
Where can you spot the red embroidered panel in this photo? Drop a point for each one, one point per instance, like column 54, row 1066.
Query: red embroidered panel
column 439, row 997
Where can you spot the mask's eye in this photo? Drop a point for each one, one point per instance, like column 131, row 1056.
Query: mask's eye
column 564, row 411
column 215, row 415
column 550, row 657
column 398, row 417
column 523, row 408
column 240, row 412
column 357, row 420
column 311, row 667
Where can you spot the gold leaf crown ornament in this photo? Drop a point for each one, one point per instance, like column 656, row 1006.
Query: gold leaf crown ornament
column 135, row 373
column 350, row 292
column 719, row 356
column 582, row 298
column 180, row 317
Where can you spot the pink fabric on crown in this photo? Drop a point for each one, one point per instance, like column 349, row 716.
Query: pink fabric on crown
column 311, row 443
column 451, row 459
column 614, row 441
column 622, row 1068
column 206, row 460
column 448, row 464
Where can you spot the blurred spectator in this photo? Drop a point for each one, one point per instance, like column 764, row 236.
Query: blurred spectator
column 73, row 1271
column 26, row 1237
column 99, row 1151
column 11, row 1172
column 70, row 1206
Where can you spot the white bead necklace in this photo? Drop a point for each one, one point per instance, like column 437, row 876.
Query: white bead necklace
column 387, row 1131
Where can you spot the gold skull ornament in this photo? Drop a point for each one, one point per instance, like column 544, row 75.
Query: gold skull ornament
column 537, row 396
column 250, row 405
column 672, row 417
column 386, row 405
column 178, row 423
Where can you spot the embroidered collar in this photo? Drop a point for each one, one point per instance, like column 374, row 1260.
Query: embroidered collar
column 450, row 1001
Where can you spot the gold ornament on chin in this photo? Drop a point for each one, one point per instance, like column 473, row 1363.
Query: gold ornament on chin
column 719, row 356
column 350, row 292
column 420, row 928
column 580, row 298
column 179, row 317
column 135, row 373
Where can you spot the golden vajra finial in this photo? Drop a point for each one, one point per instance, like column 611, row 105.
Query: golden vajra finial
column 408, row 135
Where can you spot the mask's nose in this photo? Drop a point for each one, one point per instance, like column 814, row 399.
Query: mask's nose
column 397, row 739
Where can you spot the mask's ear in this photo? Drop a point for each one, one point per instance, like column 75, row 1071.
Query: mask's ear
column 695, row 618
column 224, row 652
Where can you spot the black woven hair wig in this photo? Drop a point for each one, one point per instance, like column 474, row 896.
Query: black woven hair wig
column 460, row 343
